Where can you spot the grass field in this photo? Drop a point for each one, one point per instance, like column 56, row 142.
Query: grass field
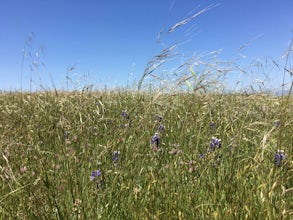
column 128, row 155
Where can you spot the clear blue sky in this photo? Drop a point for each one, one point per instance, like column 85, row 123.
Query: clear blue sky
column 111, row 41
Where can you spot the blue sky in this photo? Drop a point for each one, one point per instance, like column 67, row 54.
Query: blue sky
column 110, row 41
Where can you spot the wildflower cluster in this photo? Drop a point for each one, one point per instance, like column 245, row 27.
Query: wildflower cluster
column 155, row 141
column 279, row 157
column 215, row 143
column 95, row 174
column 98, row 177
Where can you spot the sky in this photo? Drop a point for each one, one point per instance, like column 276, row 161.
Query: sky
column 70, row 43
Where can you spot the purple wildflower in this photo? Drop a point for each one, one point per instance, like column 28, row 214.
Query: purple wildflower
column 161, row 128
column 212, row 125
column 155, row 139
column 202, row 156
column 277, row 123
column 279, row 157
column 115, row 157
column 124, row 114
column 95, row 174
column 215, row 143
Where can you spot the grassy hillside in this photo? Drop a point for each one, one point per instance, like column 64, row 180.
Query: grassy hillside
column 125, row 155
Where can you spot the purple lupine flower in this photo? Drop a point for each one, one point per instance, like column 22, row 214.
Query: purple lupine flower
column 161, row 128
column 279, row 157
column 95, row 174
column 124, row 114
column 277, row 123
column 215, row 143
column 115, row 157
column 201, row 156
column 212, row 125
column 155, row 139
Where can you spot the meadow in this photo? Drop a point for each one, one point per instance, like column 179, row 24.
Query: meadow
column 145, row 155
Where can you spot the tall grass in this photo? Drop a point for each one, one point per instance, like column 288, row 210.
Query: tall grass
column 50, row 144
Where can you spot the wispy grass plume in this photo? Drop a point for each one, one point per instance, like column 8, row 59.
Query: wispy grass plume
column 187, row 20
